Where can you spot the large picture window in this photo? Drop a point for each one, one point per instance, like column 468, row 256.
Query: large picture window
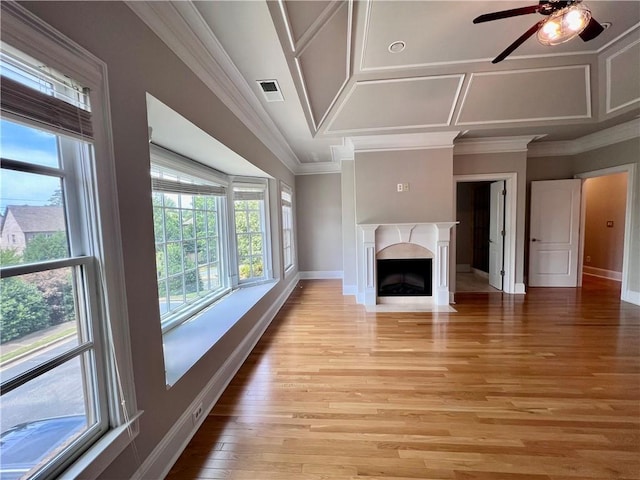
column 188, row 215
column 56, row 389
column 210, row 234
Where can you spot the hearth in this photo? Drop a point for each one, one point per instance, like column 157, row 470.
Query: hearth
column 404, row 277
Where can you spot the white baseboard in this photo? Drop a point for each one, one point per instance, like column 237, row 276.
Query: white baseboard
column 320, row 275
column 167, row 452
column 463, row 268
column 601, row 272
column 349, row 289
column 452, row 298
column 520, row 289
column 631, row 297
column 480, row 273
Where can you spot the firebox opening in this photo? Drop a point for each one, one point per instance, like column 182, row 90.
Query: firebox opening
column 404, row 277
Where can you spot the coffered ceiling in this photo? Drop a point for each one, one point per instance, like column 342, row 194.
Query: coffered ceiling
column 340, row 79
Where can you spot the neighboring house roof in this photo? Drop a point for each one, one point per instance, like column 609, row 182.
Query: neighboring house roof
column 1, row 221
column 37, row 219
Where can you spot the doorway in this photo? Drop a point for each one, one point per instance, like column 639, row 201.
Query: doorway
column 604, row 201
column 480, row 234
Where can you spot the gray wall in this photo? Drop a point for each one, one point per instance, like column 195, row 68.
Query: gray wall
column 428, row 173
column 502, row 163
column 138, row 62
column 319, row 229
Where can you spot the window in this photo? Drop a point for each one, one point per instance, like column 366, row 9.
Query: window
column 188, row 215
column 249, row 208
column 56, row 272
column 286, row 199
column 204, row 248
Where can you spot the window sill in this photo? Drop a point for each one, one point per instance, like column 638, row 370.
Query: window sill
column 93, row 462
column 185, row 344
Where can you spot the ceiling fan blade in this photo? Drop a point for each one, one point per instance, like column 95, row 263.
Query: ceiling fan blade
column 523, row 38
column 591, row 31
column 487, row 17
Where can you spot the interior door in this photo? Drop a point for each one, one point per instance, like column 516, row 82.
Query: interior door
column 496, row 235
column 554, row 233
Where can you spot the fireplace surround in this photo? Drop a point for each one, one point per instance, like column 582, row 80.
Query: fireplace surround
column 404, row 241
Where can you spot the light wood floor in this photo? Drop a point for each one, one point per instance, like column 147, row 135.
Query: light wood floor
column 538, row 387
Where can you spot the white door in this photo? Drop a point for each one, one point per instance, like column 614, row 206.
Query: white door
column 554, row 233
column 496, row 235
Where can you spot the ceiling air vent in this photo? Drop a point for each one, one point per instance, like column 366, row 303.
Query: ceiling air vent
column 271, row 90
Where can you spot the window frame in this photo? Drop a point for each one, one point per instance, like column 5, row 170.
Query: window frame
column 162, row 158
column 165, row 159
column 25, row 32
column 288, row 267
column 261, row 183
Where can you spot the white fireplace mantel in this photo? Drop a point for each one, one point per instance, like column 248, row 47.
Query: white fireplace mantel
column 374, row 237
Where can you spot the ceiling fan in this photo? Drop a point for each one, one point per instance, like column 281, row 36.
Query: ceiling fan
column 565, row 19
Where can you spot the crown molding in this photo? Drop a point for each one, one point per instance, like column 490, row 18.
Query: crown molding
column 181, row 27
column 603, row 138
column 342, row 152
column 403, row 141
column 319, row 168
column 493, row 144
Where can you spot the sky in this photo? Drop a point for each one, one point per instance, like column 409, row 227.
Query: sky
column 27, row 144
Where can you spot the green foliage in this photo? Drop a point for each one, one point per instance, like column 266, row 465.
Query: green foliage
column 57, row 291
column 46, row 247
column 23, row 310
column 56, row 199
column 9, row 256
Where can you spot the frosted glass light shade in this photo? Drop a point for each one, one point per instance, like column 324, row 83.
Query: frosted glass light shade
column 565, row 24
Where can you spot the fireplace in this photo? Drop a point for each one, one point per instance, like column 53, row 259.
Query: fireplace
column 404, row 277
column 404, row 242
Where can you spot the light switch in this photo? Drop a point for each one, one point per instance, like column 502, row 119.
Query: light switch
column 405, row 187
column 610, row 223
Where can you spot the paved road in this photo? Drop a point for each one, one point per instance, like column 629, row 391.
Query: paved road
column 57, row 392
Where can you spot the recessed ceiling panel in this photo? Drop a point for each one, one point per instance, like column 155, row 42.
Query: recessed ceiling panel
column 324, row 61
column 398, row 104
column 442, row 32
column 301, row 15
column 527, row 95
column 623, row 78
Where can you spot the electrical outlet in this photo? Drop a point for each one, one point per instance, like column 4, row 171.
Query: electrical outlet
column 197, row 413
column 588, row 259
column 399, row 187
column 405, row 187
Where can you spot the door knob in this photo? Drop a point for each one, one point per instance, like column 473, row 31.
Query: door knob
column 534, row 239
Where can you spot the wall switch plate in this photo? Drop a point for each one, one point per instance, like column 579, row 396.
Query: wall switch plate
column 405, row 187
column 400, row 187
column 610, row 223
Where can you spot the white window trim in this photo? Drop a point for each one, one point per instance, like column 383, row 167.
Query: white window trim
column 266, row 227
column 26, row 32
column 288, row 270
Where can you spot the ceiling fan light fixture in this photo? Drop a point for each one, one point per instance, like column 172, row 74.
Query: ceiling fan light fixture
column 565, row 24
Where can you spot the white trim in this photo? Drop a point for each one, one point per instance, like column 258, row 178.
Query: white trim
column 493, row 144
column 602, row 273
column 181, row 27
column 320, row 274
column 608, row 80
column 169, row 449
column 622, row 35
column 316, row 26
column 305, row 94
column 630, row 221
column 510, row 215
column 320, row 168
column 403, row 141
column 593, row 141
column 632, row 297
column 587, row 75
column 455, row 97
column 349, row 289
column 287, row 25
column 519, row 289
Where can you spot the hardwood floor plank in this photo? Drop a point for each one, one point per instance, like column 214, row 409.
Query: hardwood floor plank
column 544, row 386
